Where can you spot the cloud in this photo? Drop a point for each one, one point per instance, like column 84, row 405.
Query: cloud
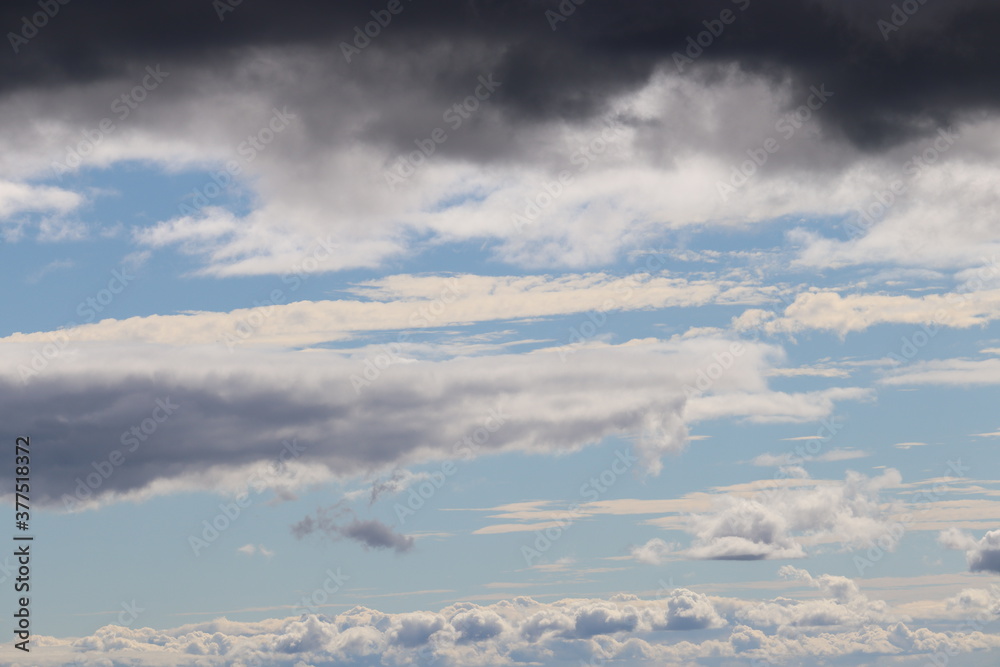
column 51, row 267
column 947, row 372
column 370, row 533
column 376, row 535
column 892, row 82
column 778, row 523
column 190, row 419
column 251, row 549
column 843, row 314
column 909, row 445
column 681, row 627
column 411, row 303
column 666, row 138
column 789, row 458
column 17, row 198
column 983, row 555
column 654, row 552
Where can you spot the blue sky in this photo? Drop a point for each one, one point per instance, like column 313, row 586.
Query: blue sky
column 647, row 421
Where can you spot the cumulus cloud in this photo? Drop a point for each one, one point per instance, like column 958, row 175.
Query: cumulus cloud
column 983, row 554
column 681, row 627
column 779, row 522
column 654, row 552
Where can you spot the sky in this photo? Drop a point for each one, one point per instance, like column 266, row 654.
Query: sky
column 502, row 333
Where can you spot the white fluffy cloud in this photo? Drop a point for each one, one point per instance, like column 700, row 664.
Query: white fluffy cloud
column 983, row 554
column 778, row 522
column 654, row 552
column 841, row 624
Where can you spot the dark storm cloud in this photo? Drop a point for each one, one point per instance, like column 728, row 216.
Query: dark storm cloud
column 905, row 75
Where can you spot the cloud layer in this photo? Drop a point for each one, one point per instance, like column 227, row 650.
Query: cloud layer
column 188, row 419
column 680, row 626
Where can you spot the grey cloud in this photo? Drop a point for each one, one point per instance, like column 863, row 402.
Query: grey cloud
column 298, row 413
column 236, row 412
column 370, row 533
column 941, row 60
column 377, row 535
column 983, row 555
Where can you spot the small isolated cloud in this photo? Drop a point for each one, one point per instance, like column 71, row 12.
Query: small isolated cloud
column 790, row 458
column 51, row 267
column 654, row 552
column 994, row 434
column 374, row 534
column 252, row 549
column 810, row 371
column 399, row 481
column 909, row 445
column 561, row 565
column 371, row 533
column 983, row 555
